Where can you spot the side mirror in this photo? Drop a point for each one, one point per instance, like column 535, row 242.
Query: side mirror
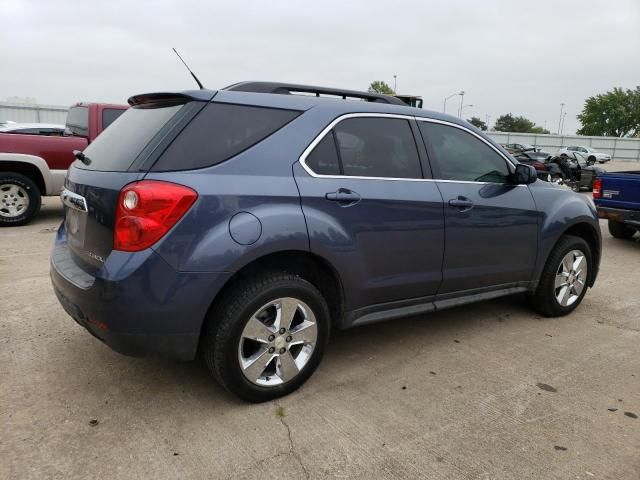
column 524, row 174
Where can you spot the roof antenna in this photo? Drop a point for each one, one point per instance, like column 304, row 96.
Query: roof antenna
column 192, row 74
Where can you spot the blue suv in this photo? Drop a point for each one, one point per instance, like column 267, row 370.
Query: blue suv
column 248, row 222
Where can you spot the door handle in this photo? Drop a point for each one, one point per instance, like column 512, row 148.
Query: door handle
column 343, row 196
column 461, row 203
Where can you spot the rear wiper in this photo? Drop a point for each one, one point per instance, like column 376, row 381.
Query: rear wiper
column 82, row 157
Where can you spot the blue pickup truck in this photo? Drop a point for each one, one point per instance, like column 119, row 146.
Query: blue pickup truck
column 617, row 196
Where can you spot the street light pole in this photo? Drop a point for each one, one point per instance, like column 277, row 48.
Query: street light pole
column 444, row 106
column 560, row 119
column 461, row 100
column 564, row 115
column 395, row 84
column 463, row 107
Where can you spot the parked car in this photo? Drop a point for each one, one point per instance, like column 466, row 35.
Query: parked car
column 33, row 165
column 33, row 129
column 546, row 170
column 578, row 174
column 249, row 222
column 617, row 197
column 515, row 148
column 587, row 152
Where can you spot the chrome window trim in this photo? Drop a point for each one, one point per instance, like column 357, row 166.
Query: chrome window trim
column 327, row 129
column 450, row 124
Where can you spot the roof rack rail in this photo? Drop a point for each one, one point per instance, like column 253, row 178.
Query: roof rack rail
column 291, row 88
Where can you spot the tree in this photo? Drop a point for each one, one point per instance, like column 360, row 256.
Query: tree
column 615, row 114
column 380, row 86
column 538, row 129
column 476, row 122
column 509, row 123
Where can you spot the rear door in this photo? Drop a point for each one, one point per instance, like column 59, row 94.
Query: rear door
column 369, row 210
column 491, row 226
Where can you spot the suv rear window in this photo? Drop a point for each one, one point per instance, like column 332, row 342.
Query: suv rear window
column 219, row 132
column 115, row 149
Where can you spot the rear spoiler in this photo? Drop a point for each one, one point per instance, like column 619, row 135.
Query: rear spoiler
column 165, row 99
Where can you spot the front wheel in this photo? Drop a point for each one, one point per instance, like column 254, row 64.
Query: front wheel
column 565, row 278
column 19, row 199
column 620, row 230
column 266, row 336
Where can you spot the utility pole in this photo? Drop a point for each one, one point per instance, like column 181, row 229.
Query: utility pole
column 560, row 119
column 395, row 84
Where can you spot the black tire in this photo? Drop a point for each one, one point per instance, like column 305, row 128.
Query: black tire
column 620, row 230
column 25, row 184
column 563, row 155
column 591, row 159
column 544, row 299
column 228, row 317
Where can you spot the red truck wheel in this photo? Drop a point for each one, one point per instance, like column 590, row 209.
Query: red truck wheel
column 19, row 199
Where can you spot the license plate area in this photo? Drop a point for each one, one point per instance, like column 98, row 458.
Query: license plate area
column 75, row 218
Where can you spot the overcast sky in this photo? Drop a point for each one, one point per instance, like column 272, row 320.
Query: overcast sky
column 524, row 57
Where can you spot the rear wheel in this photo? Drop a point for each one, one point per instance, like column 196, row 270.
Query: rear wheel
column 620, row 230
column 565, row 277
column 266, row 336
column 19, row 199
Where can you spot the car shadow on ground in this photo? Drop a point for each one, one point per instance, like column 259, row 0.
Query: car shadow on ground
column 160, row 377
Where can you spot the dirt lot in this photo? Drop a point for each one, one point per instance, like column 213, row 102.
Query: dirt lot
column 481, row 392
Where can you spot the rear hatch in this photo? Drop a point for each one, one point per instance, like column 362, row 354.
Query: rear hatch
column 122, row 154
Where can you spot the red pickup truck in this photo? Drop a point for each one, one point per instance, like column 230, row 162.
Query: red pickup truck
column 32, row 166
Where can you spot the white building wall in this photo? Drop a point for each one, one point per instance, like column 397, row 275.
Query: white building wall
column 627, row 149
column 30, row 113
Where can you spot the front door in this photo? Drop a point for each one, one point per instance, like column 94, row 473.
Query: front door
column 370, row 213
column 491, row 226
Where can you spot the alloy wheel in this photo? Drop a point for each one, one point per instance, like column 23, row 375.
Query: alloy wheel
column 571, row 278
column 277, row 342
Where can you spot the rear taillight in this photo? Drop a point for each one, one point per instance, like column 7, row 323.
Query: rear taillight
column 597, row 188
column 146, row 211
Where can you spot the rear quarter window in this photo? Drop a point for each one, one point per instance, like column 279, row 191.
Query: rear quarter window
column 221, row 131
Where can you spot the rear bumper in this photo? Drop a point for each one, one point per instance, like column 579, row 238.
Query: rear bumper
column 629, row 217
column 137, row 304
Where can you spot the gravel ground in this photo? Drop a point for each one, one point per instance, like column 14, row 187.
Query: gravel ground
column 487, row 391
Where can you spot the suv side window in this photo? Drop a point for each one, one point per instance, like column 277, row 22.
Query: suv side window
column 323, row 160
column 461, row 156
column 377, row 147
